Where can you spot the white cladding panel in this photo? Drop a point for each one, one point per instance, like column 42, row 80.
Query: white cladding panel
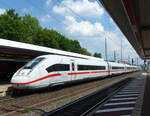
column 116, row 71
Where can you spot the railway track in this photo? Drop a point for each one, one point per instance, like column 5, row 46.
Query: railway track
column 118, row 99
column 6, row 99
column 122, row 103
column 29, row 103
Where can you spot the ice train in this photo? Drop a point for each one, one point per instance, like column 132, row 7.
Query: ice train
column 51, row 70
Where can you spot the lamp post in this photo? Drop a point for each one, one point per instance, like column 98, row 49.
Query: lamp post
column 121, row 50
column 114, row 56
column 106, row 49
column 128, row 59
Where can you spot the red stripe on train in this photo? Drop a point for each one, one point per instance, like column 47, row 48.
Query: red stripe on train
column 58, row 74
column 48, row 76
column 99, row 71
column 116, row 70
column 78, row 73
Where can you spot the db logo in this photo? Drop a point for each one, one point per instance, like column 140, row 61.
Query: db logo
column 22, row 73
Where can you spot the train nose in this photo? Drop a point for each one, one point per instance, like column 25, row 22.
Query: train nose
column 19, row 79
column 21, row 76
column 19, row 82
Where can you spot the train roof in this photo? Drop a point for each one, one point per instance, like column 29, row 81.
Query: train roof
column 19, row 48
column 116, row 63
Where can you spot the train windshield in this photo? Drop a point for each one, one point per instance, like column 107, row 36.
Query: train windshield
column 33, row 63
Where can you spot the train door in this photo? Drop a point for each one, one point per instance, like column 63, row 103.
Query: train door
column 125, row 68
column 73, row 69
column 109, row 69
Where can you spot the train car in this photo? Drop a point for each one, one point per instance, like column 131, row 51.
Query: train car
column 132, row 68
column 116, row 68
column 135, row 68
column 129, row 68
column 49, row 70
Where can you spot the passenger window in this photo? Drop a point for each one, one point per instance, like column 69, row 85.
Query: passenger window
column 58, row 67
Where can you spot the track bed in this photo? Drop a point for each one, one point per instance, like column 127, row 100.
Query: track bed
column 39, row 103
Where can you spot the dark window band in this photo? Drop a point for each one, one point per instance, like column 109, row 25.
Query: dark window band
column 114, row 67
column 90, row 67
column 131, row 68
column 58, row 67
column 66, row 67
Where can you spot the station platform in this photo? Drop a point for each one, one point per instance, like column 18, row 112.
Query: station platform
column 145, row 111
column 4, row 89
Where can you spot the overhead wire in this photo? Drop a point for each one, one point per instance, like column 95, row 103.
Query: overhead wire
column 58, row 1
column 74, row 12
column 39, row 8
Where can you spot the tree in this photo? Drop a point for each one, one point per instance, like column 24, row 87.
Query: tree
column 85, row 52
column 14, row 27
column 97, row 55
column 45, row 38
column 31, row 28
column 10, row 25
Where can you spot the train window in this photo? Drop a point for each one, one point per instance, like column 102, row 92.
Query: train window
column 90, row 67
column 129, row 67
column 33, row 63
column 115, row 67
column 58, row 67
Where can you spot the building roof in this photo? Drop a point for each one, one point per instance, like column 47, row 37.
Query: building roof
column 25, row 49
column 132, row 17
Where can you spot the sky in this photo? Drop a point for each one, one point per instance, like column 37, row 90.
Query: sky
column 83, row 20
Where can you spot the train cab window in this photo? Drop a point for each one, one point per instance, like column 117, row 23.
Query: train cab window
column 33, row 63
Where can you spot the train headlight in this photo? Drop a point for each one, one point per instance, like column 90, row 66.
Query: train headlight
column 24, row 72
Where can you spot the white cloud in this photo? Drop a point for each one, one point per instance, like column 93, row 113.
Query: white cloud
column 95, row 31
column 2, row 11
column 48, row 2
column 83, row 28
column 113, row 41
column 46, row 18
column 127, row 49
column 92, row 36
column 84, row 8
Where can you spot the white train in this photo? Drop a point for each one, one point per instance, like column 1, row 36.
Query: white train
column 51, row 70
